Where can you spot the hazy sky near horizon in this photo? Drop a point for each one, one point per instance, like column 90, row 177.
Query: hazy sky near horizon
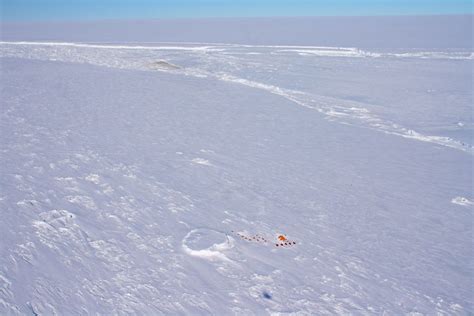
column 31, row 10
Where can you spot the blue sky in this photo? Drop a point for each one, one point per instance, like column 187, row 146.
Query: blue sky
column 142, row 9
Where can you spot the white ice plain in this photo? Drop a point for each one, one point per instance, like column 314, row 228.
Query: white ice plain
column 156, row 178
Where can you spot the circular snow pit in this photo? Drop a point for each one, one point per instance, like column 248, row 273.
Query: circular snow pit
column 207, row 244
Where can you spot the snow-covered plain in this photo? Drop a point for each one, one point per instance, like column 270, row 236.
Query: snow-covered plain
column 155, row 178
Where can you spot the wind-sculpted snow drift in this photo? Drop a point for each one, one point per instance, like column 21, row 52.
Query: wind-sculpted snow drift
column 234, row 179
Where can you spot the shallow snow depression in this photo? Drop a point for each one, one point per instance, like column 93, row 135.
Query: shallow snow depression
column 157, row 178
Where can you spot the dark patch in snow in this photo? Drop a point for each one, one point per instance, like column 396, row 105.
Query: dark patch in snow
column 163, row 65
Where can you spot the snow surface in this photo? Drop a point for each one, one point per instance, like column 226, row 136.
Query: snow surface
column 155, row 178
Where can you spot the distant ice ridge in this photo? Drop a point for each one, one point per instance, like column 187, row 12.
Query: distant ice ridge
column 275, row 49
column 85, row 45
column 355, row 52
column 222, row 62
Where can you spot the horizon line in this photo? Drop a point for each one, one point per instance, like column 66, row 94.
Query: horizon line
column 137, row 19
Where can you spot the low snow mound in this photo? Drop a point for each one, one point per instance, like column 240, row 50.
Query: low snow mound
column 459, row 200
column 201, row 161
column 207, row 244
